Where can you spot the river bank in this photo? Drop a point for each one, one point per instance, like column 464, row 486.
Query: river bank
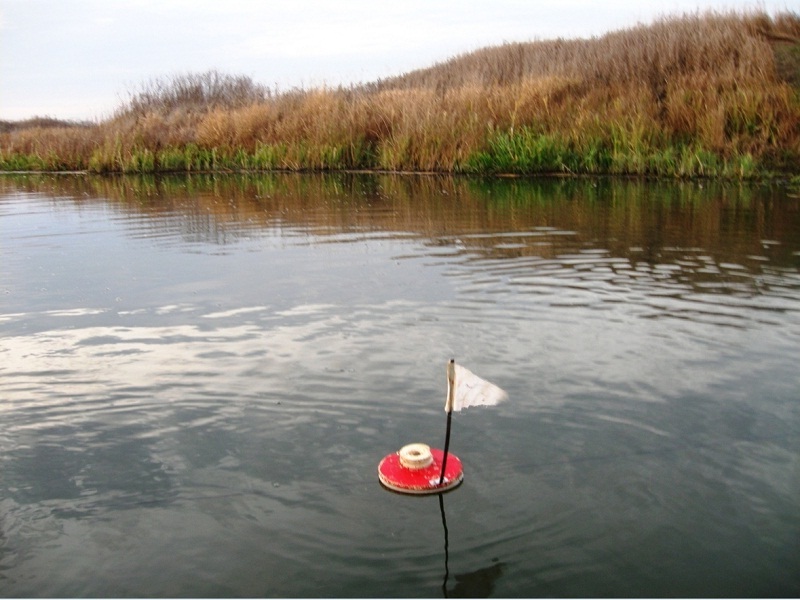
column 712, row 95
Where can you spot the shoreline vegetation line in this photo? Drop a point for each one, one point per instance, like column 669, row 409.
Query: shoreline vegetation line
column 697, row 95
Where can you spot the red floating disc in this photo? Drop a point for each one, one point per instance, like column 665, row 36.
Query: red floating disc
column 395, row 474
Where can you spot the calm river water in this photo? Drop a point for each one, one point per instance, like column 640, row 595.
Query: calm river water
column 200, row 375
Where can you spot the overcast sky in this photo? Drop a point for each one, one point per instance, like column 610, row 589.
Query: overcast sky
column 79, row 59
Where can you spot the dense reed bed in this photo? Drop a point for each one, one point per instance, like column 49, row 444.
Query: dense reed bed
column 697, row 95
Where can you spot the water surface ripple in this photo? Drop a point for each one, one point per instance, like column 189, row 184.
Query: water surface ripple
column 199, row 376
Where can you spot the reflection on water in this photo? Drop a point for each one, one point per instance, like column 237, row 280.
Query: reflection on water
column 200, row 374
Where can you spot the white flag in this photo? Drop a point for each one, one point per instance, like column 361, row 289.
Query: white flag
column 465, row 389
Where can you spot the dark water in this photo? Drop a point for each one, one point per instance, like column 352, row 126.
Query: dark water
column 200, row 375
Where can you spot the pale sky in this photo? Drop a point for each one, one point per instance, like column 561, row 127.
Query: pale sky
column 79, row 59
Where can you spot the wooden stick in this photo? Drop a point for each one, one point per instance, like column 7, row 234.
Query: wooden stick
column 446, row 446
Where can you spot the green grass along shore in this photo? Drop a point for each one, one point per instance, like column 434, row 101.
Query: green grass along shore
column 714, row 94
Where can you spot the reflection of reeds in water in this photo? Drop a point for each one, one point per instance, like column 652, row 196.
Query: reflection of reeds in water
column 561, row 241
column 499, row 218
column 710, row 94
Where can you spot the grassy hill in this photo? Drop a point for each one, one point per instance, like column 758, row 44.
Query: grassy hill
column 714, row 94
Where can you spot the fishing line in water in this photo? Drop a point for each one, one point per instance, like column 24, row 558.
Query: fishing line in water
column 446, row 546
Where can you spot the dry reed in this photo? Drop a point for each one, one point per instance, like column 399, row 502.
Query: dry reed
column 697, row 94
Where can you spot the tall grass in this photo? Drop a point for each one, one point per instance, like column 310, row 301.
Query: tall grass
column 701, row 94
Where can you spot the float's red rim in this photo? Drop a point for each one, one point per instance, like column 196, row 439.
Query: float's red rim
column 399, row 478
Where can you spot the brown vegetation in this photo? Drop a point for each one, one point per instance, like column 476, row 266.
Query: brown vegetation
column 697, row 94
